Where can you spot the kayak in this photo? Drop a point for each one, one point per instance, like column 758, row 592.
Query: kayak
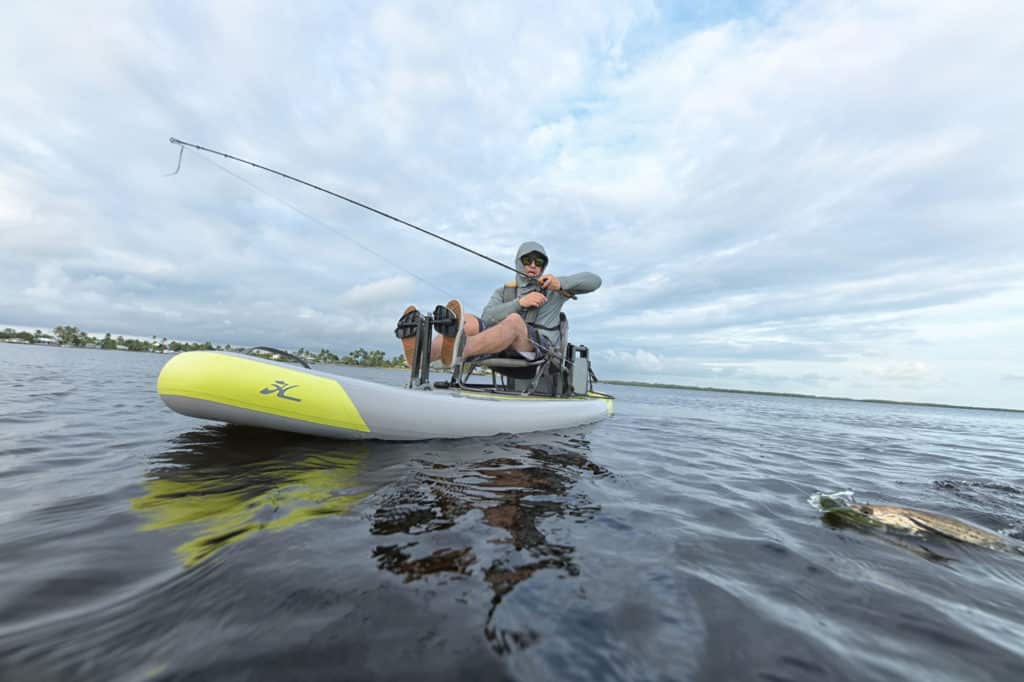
column 242, row 389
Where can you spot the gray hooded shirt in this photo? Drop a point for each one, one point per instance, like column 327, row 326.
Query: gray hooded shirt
column 547, row 318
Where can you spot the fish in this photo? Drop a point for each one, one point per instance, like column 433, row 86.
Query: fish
column 915, row 522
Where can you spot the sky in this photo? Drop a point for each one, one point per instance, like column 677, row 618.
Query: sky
column 811, row 197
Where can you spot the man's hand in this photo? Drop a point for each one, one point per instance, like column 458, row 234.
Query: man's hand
column 549, row 282
column 534, row 299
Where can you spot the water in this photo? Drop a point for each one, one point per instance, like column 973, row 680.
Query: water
column 674, row 541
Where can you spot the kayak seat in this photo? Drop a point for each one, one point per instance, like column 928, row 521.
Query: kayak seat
column 544, row 374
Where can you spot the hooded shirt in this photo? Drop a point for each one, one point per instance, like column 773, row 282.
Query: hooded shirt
column 547, row 318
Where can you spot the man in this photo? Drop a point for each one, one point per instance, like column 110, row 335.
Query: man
column 520, row 320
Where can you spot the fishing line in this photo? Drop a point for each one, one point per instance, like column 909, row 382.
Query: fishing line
column 360, row 204
column 324, row 225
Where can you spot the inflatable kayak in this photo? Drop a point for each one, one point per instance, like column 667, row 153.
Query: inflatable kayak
column 242, row 389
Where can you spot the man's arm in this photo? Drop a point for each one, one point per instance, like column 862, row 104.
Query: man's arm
column 580, row 283
column 497, row 310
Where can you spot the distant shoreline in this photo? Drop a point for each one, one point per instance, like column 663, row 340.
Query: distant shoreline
column 65, row 336
column 711, row 389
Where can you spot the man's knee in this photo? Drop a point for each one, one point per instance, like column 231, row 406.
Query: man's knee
column 516, row 321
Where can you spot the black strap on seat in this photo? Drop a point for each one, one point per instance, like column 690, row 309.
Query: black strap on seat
column 508, row 294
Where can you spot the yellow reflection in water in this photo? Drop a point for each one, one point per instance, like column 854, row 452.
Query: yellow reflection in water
column 227, row 504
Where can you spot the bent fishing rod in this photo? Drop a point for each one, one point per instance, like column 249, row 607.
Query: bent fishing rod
column 182, row 144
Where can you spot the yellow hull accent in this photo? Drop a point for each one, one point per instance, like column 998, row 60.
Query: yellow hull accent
column 608, row 402
column 261, row 387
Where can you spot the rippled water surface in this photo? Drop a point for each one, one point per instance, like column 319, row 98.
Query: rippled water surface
column 673, row 541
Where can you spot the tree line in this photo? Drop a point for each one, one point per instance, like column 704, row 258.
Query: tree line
column 359, row 358
column 67, row 335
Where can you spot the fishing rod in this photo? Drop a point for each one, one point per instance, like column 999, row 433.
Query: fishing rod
column 322, row 224
column 182, row 144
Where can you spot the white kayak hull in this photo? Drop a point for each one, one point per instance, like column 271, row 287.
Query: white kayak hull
column 241, row 389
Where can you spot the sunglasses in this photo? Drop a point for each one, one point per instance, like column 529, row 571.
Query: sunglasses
column 539, row 261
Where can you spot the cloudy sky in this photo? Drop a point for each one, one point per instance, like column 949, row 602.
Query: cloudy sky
column 816, row 197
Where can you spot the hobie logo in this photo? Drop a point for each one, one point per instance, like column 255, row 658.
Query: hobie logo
column 281, row 388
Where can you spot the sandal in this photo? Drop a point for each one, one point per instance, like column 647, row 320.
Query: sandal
column 408, row 323
column 448, row 323
column 406, row 329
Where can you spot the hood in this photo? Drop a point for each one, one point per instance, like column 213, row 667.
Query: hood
column 525, row 248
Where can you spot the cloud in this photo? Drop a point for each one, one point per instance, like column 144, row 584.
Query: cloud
column 907, row 371
column 50, row 282
column 391, row 291
column 641, row 360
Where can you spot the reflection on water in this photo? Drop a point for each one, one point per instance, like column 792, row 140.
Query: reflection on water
column 225, row 484
column 512, row 494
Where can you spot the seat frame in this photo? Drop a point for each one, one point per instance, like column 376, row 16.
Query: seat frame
column 548, row 374
column 523, row 376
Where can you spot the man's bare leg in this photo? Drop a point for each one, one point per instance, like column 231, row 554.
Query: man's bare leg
column 470, row 327
column 509, row 333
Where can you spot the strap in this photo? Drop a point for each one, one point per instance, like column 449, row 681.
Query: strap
column 508, row 294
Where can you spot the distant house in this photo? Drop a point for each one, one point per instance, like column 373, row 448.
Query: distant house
column 47, row 340
column 120, row 347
